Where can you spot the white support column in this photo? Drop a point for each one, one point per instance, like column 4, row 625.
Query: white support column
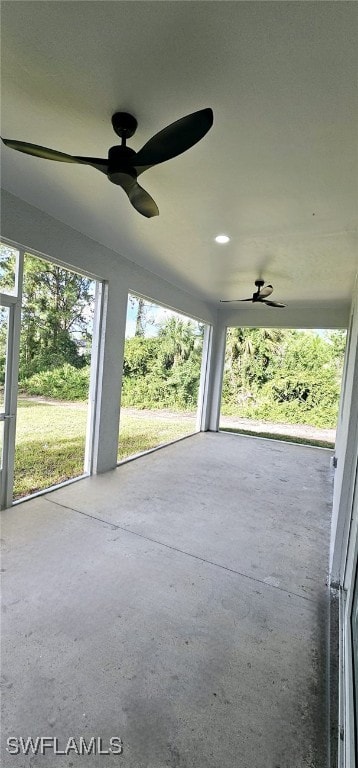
column 111, row 330
column 213, row 371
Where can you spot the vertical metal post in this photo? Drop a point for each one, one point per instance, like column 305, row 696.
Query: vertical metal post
column 11, row 387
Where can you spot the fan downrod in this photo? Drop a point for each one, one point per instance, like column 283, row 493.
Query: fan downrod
column 124, row 124
column 259, row 283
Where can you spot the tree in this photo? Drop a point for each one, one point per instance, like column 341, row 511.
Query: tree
column 337, row 339
column 178, row 338
column 251, row 355
column 164, row 371
column 143, row 317
column 140, row 356
column 283, row 375
column 56, row 316
column 7, row 267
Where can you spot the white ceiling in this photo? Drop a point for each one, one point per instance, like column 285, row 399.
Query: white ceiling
column 278, row 171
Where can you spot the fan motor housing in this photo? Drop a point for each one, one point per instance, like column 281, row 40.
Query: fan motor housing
column 120, row 161
column 124, row 124
column 120, row 156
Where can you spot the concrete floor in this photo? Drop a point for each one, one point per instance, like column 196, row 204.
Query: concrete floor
column 178, row 602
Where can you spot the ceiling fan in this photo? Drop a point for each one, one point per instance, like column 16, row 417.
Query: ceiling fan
column 123, row 164
column 260, row 295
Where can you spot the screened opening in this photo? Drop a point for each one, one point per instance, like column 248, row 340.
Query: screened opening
column 8, row 269
column 54, row 371
column 161, row 375
column 283, row 383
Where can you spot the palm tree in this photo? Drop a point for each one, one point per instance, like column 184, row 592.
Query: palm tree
column 249, row 352
column 179, row 339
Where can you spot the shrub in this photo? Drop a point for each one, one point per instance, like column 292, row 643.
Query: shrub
column 63, row 383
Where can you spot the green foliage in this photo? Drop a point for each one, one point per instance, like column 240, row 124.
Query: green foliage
column 8, row 258
column 143, row 316
column 270, row 374
column 56, row 316
column 64, row 383
column 163, row 372
column 283, row 376
column 140, row 356
column 178, row 340
column 162, row 387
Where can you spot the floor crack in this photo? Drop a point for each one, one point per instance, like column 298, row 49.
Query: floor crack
column 115, row 526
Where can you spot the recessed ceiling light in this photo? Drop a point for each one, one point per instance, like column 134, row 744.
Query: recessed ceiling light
column 222, row 239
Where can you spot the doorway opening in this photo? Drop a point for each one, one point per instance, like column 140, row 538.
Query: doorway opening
column 46, row 334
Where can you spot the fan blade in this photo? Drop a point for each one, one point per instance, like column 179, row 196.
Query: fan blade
column 272, row 303
column 174, row 139
column 266, row 291
column 143, row 202
column 52, row 154
column 229, row 301
column 139, row 198
column 96, row 162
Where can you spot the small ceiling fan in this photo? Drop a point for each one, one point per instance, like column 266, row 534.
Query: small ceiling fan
column 123, row 164
column 260, row 296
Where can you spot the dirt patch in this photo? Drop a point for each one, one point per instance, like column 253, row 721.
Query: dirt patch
column 294, row 430
column 305, row 431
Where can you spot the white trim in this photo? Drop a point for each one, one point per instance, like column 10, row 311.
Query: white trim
column 346, row 727
column 217, row 362
column 204, row 379
column 64, row 264
column 347, row 671
column 110, row 373
column 7, row 299
column 50, row 489
column 347, row 455
column 92, row 408
column 13, row 304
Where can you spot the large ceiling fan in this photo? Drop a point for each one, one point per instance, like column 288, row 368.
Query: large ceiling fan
column 123, row 164
column 260, row 295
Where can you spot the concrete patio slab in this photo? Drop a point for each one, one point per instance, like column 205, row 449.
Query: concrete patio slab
column 256, row 506
column 212, row 658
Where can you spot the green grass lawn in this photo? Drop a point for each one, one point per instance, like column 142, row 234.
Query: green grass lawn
column 277, row 436
column 50, row 441
column 138, row 433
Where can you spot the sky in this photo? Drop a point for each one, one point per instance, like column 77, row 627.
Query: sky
column 155, row 316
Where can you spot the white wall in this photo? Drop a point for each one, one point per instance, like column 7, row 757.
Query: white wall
column 37, row 231
column 346, row 450
column 44, row 235
column 30, row 227
column 296, row 315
